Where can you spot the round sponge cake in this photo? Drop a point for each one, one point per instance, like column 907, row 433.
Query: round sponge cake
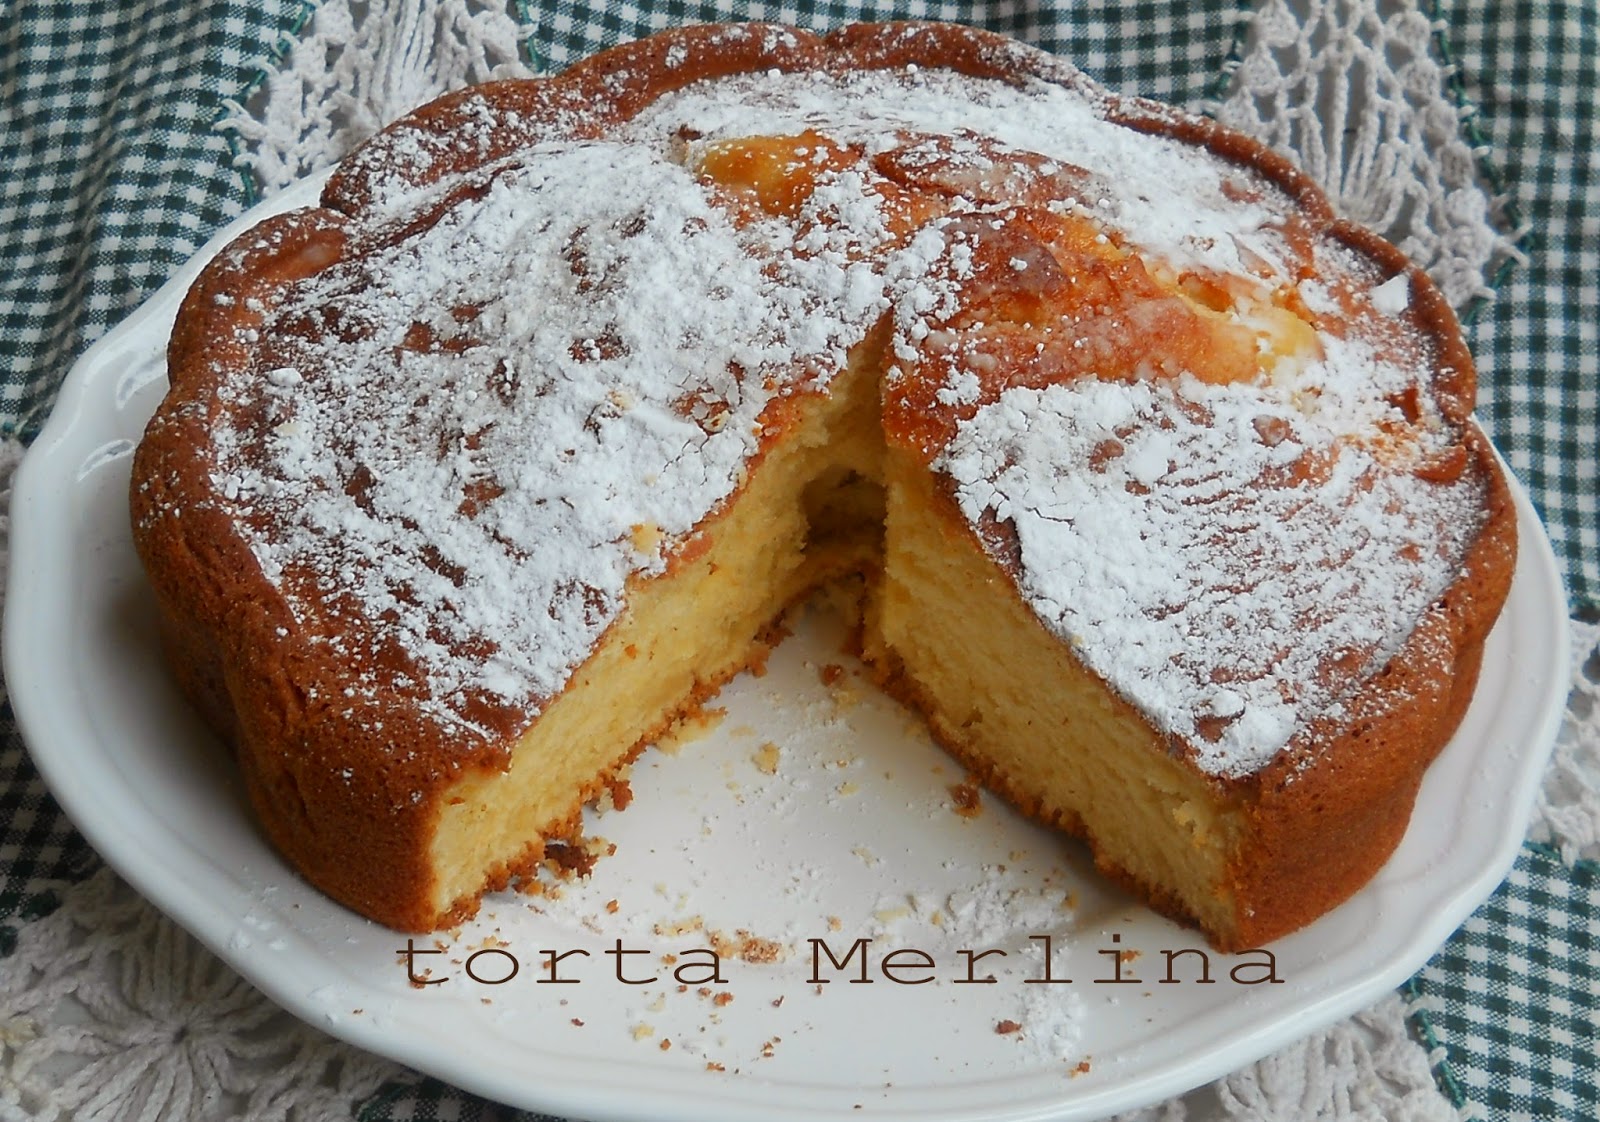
column 1158, row 482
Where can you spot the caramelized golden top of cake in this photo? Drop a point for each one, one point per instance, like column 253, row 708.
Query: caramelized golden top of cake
column 1217, row 438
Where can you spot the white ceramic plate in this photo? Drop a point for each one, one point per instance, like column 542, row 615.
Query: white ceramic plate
column 844, row 831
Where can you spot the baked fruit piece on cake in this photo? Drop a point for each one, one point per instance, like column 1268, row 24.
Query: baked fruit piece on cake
column 1161, row 481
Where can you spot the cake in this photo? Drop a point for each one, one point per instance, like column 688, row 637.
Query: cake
column 1155, row 483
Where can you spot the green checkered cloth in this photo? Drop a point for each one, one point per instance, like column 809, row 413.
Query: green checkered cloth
column 1512, row 1003
column 116, row 173
column 1529, row 79
column 1153, row 47
column 113, row 176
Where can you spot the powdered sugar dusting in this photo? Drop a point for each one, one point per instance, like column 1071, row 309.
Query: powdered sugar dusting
column 1214, row 579
column 538, row 376
column 1169, row 197
column 571, row 378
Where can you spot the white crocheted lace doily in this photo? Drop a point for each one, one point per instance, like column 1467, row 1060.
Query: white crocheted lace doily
column 1350, row 89
column 110, row 1012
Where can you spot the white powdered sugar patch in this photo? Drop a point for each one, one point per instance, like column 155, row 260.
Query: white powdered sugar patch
column 995, row 909
column 1393, row 296
column 1052, row 1023
column 1204, row 583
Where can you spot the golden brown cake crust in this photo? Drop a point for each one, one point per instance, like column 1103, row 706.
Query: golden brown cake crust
column 350, row 790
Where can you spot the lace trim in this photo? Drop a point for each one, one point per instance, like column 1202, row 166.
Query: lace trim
column 1567, row 815
column 111, row 1011
column 270, row 66
column 356, row 68
column 1503, row 203
column 1367, row 1067
column 1350, row 89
